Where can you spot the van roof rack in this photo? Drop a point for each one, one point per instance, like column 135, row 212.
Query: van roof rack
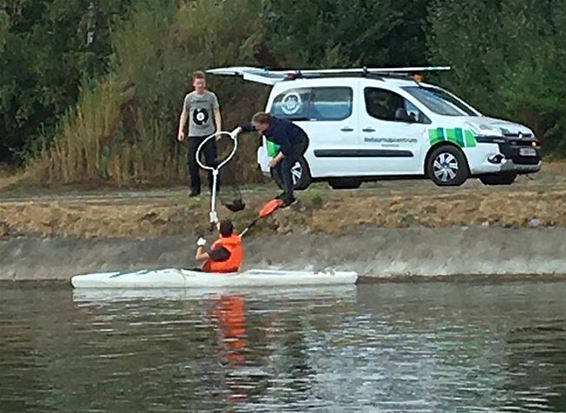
column 270, row 77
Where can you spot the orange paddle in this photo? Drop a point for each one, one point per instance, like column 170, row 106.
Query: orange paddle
column 269, row 208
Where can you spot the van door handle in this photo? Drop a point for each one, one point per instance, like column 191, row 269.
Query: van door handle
column 347, row 129
column 368, row 130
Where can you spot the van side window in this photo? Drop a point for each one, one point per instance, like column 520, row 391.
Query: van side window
column 293, row 104
column 385, row 105
column 314, row 104
column 331, row 103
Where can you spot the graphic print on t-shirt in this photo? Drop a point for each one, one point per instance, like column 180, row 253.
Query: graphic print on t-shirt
column 201, row 108
column 200, row 116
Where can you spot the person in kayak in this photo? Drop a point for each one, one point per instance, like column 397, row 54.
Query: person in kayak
column 226, row 254
column 292, row 142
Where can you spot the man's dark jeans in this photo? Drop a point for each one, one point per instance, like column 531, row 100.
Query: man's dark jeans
column 283, row 169
column 209, row 152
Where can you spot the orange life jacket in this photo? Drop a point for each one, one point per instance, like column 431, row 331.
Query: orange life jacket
column 233, row 244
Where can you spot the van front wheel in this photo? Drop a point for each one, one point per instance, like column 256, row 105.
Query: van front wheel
column 447, row 166
column 300, row 173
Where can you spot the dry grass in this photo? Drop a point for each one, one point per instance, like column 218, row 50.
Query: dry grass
column 319, row 210
column 123, row 129
column 104, row 212
column 9, row 179
column 504, row 210
column 556, row 166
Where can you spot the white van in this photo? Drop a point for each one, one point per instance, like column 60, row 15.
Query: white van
column 366, row 124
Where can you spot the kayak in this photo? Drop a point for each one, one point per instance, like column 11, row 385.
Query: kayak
column 181, row 278
column 343, row 293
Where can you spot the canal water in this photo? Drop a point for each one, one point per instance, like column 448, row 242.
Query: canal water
column 426, row 347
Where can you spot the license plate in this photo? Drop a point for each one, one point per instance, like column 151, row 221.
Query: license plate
column 527, row 152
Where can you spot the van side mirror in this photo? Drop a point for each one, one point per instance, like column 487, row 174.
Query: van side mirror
column 401, row 115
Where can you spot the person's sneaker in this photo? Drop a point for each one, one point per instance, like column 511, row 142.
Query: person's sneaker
column 194, row 194
column 288, row 202
column 280, row 196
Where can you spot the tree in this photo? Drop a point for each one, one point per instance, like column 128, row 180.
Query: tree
column 46, row 48
column 345, row 32
column 464, row 35
column 509, row 59
column 122, row 130
column 533, row 78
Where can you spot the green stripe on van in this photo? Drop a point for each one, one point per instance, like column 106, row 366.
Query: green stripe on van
column 451, row 134
column 433, row 137
column 461, row 137
column 440, row 134
column 470, row 139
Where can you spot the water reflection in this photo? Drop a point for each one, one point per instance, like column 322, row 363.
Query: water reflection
column 228, row 313
column 401, row 347
column 229, row 319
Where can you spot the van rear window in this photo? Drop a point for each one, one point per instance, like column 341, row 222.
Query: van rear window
column 314, row 104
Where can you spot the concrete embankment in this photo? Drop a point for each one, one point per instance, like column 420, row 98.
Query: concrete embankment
column 376, row 253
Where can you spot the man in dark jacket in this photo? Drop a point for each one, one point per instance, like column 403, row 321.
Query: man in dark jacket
column 292, row 142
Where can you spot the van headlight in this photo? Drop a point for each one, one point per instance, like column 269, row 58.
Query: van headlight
column 473, row 127
column 484, row 130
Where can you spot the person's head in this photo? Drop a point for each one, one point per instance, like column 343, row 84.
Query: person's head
column 199, row 81
column 262, row 121
column 226, row 228
column 418, row 77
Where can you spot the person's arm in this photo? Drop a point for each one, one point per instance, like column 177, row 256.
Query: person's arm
column 218, row 254
column 218, row 120
column 217, row 114
column 183, row 121
column 201, row 254
column 278, row 158
column 246, row 127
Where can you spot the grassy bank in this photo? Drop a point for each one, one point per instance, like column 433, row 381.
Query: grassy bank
column 538, row 202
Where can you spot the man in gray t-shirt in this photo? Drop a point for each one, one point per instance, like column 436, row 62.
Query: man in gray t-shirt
column 202, row 110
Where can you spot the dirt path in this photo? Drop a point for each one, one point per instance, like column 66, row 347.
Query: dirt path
column 552, row 178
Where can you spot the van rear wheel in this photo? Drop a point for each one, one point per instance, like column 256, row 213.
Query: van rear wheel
column 300, row 173
column 447, row 166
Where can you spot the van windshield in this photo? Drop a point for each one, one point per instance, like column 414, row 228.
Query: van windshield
column 440, row 101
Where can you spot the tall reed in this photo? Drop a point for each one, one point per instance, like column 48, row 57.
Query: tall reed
column 123, row 129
